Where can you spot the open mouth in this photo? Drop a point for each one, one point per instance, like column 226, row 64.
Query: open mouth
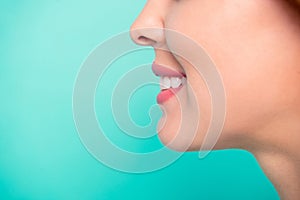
column 171, row 81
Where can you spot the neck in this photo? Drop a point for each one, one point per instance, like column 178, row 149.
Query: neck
column 276, row 144
column 283, row 172
column 280, row 157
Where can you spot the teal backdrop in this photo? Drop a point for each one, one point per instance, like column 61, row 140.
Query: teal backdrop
column 42, row 46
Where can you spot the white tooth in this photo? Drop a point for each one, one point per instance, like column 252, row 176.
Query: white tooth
column 167, row 82
column 175, row 82
column 162, row 85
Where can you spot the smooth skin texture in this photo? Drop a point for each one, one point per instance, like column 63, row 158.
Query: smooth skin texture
column 256, row 47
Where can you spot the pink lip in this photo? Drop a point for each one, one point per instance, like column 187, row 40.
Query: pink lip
column 160, row 70
column 166, row 94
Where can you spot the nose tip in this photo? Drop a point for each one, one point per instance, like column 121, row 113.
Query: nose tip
column 153, row 36
column 147, row 29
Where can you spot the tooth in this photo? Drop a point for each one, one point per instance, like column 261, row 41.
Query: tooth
column 167, row 82
column 162, row 84
column 175, row 82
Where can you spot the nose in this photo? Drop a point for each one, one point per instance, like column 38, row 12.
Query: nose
column 147, row 29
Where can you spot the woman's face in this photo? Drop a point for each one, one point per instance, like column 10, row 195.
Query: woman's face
column 253, row 44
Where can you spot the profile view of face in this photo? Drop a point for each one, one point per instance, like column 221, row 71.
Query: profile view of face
column 253, row 44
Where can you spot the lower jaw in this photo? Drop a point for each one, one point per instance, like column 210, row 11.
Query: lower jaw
column 165, row 95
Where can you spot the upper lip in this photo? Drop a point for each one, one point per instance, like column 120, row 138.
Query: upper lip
column 163, row 70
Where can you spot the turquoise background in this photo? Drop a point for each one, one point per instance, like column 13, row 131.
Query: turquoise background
column 42, row 46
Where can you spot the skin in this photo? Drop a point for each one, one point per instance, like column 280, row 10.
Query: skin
column 256, row 47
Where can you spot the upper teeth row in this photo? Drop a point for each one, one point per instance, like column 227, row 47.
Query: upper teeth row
column 171, row 82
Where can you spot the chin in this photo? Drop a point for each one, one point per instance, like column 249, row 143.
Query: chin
column 179, row 138
column 173, row 143
column 183, row 138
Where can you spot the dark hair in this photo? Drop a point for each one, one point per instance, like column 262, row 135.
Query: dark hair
column 295, row 4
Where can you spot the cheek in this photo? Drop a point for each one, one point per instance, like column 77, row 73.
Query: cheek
column 204, row 104
column 242, row 44
column 253, row 94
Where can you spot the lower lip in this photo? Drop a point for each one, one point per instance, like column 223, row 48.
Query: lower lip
column 165, row 95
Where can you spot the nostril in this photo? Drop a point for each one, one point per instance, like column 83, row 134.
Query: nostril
column 145, row 40
column 142, row 38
